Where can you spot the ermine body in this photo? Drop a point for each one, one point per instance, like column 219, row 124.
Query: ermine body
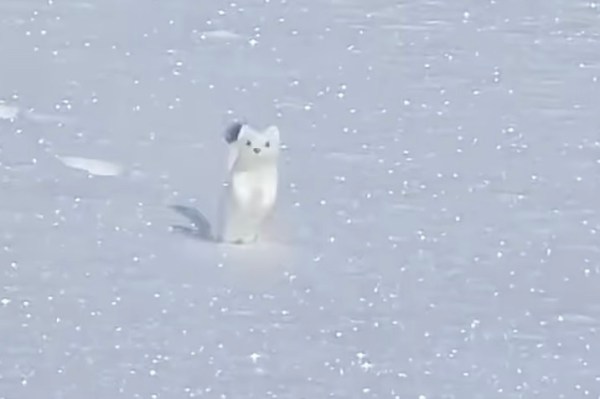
column 251, row 190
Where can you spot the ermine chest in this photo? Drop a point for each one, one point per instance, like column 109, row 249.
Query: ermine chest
column 253, row 193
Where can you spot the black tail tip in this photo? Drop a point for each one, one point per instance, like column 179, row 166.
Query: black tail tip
column 232, row 132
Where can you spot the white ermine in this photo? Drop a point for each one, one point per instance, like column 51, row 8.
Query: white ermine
column 251, row 190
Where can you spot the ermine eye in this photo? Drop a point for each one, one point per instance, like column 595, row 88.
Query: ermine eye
column 267, row 144
column 248, row 143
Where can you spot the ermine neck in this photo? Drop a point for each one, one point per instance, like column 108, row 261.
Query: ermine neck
column 258, row 167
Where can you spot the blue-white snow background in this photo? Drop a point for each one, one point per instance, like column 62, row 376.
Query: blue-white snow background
column 439, row 198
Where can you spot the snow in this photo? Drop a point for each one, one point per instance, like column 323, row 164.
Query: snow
column 8, row 112
column 94, row 167
column 220, row 35
column 437, row 228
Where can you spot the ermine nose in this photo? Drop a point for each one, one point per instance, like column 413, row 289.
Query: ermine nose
column 256, row 150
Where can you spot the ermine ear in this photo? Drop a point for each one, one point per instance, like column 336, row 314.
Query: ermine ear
column 272, row 132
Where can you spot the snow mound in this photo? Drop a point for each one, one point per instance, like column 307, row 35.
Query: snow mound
column 94, row 167
column 8, row 112
column 220, row 34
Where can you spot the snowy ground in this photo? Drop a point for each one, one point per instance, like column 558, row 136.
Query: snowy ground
column 437, row 234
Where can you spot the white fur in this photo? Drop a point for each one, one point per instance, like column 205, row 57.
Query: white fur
column 251, row 190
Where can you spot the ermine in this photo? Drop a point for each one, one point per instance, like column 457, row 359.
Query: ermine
column 251, row 189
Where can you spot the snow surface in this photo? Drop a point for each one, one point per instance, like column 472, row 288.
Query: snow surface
column 94, row 167
column 437, row 234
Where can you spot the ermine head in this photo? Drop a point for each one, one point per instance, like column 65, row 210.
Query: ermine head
column 253, row 147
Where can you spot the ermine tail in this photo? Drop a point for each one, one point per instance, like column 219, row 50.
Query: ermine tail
column 232, row 132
